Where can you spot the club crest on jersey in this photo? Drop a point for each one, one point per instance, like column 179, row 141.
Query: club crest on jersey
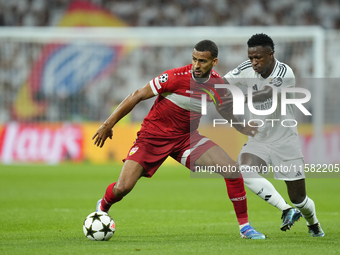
column 236, row 71
column 277, row 81
column 163, row 78
column 133, row 151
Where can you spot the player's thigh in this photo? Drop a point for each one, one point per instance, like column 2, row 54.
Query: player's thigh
column 128, row 177
column 215, row 156
column 251, row 160
column 149, row 153
column 254, row 153
column 219, row 162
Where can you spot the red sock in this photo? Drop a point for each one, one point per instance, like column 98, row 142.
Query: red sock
column 237, row 195
column 109, row 198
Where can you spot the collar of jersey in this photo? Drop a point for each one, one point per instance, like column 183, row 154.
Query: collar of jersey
column 192, row 75
column 276, row 63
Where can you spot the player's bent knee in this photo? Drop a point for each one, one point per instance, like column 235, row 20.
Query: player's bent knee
column 121, row 190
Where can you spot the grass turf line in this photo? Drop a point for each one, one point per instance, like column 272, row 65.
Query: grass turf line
column 43, row 208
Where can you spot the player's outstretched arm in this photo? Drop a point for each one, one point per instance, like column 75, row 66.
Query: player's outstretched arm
column 105, row 130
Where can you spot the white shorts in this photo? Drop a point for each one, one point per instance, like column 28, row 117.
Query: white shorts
column 283, row 158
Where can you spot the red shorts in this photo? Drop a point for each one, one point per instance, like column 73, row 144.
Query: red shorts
column 151, row 152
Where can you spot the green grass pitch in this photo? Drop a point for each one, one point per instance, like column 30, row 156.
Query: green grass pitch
column 43, row 209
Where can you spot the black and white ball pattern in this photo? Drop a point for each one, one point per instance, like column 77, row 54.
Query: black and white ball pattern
column 99, row 226
column 163, row 78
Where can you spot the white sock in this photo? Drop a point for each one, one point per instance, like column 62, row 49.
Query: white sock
column 243, row 225
column 307, row 208
column 263, row 188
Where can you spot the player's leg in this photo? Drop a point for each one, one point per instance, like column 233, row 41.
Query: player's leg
column 219, row 161
column 198, row 150
column 235, row 187
column 296, row 190
column 259, row 185
column 297, row 194
column 143, row 159
column 265, row 190
column 127, row 179
column 215, row 156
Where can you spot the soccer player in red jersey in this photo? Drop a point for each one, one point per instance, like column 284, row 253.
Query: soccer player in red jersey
column 170, row 129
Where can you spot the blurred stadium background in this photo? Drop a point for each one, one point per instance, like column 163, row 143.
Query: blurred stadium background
column 62, row 73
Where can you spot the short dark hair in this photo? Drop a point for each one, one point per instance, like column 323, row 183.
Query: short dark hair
column 261, row 40
column 207, row 45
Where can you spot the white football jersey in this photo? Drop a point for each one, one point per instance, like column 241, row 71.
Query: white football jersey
column 272, row 127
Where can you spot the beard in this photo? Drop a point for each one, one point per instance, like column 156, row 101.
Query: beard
column 203, row 76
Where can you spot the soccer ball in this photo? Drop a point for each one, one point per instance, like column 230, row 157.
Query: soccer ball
column 99, row 226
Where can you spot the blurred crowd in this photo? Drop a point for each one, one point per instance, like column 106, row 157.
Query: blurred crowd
column 138, row 67
column 183, row 12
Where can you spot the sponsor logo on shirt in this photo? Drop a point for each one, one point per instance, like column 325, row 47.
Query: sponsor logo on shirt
column 264, row 105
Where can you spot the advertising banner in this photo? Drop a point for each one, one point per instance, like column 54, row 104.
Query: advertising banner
column 55, row 143
column 48, row 143
column 63, row 142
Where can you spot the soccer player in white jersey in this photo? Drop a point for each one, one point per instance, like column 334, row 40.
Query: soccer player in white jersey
column 274, row 144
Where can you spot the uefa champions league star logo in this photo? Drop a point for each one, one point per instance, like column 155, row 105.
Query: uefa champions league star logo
column 163, row 78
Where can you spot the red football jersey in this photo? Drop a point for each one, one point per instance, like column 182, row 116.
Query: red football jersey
column 177, row 109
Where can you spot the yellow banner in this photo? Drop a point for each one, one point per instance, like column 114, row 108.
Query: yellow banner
column 113, row 150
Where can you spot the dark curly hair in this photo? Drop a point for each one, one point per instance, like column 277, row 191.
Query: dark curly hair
column 261, row 40
column 207, row 45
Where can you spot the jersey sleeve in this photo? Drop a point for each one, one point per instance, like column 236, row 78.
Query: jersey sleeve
column 163, row 83
column 237, row 76
column 284, row 78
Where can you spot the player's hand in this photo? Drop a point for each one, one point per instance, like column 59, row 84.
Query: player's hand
column 101, row 135
column 249, row 130
column 226, row 106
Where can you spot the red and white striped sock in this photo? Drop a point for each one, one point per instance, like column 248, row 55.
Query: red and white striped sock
column 237, row 195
